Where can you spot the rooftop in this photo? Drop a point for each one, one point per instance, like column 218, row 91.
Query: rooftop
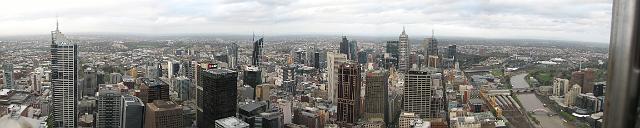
column 231, row 122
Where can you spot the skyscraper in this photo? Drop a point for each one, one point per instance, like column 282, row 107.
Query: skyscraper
column 353, row 50
column 153, row 89
column 392, row 48
column 183, row 87
column 172, row 68
column 349, row 82
column 109, row 107
column 404, row 51
column 376, row 95
column 90, row 85
column 132, row 112
column 334, row 60
column 316, row 60
column 432, row 45
column 344, row 47
column 362, row 57
column 8, row 76
column 216, row 96
column 257, row 52
column 64, row 63
column 252, row 76
column 452, row 52
column 232, row 51
column 418, row 92
column 163, row 114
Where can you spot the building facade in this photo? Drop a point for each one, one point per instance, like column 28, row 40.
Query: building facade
column 163, row 114
column 153, row 89
column 132, row 112
column 216, row 96
column 109, row 107
column 418, row 92
column 404, row 51
column 334, row 60
column 376, row 95
column 349, row 82
column 64, row 77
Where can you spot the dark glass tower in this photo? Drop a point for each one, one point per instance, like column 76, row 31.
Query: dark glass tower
column 353, row 49
column 257, row 52
column 216, row 96
column 316, row 60
column 451, row 51
column 393, row 50
column 344, row 46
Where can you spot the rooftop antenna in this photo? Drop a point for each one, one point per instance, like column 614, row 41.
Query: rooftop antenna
column 253, row 38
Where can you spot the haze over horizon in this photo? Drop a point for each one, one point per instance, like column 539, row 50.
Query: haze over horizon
column 577, row 20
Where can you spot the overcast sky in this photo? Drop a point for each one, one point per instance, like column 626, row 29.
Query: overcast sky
column 580, row 20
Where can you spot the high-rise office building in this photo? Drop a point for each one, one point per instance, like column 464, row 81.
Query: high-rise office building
column 232, row 51
column 418, row 92
column 153, row 89
column 376, row 95
column 589, row 77
column 353, row 50
column 452, row 52
column 599, row 89
column 316, row 60
column 163, row 114
column 8, row 76
column 362, row 57
column 570, row 98
column 301, row 57
column 404, row 49
column 64, row 76
column 252, row 76
column 153, row 70
column 90, row 83
column 344, row 47
column 585, row 78
column 172, row 68
column 257, row 52
column 183, row 87
column 334, row 60
column 132, row 112
column 392, row 48
column 216, row 96
column 432, row 46
column 109, row 107
column 349, row 82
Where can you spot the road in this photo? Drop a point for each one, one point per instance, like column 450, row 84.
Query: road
column 530, row 102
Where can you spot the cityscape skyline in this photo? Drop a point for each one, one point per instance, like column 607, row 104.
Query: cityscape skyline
column 587, row 21
column 520, row 72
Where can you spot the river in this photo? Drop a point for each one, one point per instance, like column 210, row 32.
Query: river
column 530, row 102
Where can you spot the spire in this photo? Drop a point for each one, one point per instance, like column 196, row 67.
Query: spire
column 57, row 24
column 433, row 33
column 403, row 33
column 253, row 38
